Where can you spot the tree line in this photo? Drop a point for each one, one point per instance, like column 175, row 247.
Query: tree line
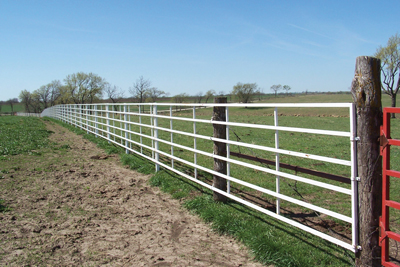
column 87, row 88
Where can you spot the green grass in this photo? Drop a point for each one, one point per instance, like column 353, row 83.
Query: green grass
column 6, row 108
column 21, row 135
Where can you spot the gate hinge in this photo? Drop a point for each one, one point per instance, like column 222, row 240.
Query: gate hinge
column 383, row 234
column 358, row 178
column 383, row 142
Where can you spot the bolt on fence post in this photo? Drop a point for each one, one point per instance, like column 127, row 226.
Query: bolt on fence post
column 156, row 155
column 278, row 201
column 366, row 91
column 219, row 149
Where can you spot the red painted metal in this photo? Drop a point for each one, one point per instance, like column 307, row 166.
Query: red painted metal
column 386, row 143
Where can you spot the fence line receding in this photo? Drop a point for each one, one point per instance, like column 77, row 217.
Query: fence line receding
column 179, row 138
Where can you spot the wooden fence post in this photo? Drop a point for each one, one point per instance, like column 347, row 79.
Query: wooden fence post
column 366, row 91
column 219, row 149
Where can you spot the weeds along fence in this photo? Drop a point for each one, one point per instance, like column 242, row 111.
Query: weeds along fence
column 300, row 170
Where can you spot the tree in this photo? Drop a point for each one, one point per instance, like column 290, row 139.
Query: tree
column 390, row 60
column 113, row 92
column 11, row 102
column 140, row 89
column 199, row 97
column 276, row 88
column 179, row 99
column 153, row 94
column 49, row 93
column 55, row 91
column 26, row 99
column 286, row 88
column 36, row 104
column 209, row 93
column 244, row 92
column 83, row 88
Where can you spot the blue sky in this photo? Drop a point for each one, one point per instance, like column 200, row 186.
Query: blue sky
column 191, row 46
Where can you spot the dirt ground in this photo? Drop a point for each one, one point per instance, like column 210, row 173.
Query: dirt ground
column 71, row 205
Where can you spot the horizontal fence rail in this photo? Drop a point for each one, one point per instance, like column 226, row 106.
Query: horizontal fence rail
column 179, row 138
column 28, row 114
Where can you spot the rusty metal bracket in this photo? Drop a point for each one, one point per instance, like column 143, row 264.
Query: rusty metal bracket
column 383, row 142
column 383, row 234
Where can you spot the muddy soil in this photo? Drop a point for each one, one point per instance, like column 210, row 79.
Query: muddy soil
column 72, row 205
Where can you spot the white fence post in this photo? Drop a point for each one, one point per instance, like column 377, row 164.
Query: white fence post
column 228, row 151
column 87, row 118
column 157, row 156
column 194, row 141
column 172, row 137
column 97, row 120
column 108, row 122
column 126, row 130
column 152, row 131
column 140, row 129
column 278, row 201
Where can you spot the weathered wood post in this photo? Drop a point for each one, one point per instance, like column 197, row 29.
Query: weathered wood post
column 219, row 148
column 366, row 91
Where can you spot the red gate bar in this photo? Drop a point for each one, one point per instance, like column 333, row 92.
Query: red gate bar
column 386, row 142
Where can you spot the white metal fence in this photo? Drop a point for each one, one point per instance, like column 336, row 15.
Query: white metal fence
column 28, row 114
column 173, row 137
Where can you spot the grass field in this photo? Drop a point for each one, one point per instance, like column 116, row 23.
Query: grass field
column 6, row 108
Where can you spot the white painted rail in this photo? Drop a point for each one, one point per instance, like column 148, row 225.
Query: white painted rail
column 150, row 130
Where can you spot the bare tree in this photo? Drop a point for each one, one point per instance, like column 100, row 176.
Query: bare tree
column 153, row 93
column 113, row 92
column 198, row 97
column 276, row 88
column 55, row 91
column 140, row 89
column 390, row 60
column 209, row 94
column 286, row 88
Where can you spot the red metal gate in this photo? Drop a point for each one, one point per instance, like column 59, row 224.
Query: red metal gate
column 386, row 142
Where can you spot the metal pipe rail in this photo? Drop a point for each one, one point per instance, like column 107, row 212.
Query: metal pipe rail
column 129, row 125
